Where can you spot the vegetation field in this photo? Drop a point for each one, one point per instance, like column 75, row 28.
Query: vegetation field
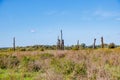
column 88, row 64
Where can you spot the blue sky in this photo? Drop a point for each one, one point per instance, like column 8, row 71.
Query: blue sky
column 40, row 21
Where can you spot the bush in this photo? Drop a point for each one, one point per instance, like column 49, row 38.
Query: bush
column 25, row 60
column 63, row 66
column 75, row 48
column 42, row 49
column 81, row 69
column 3, row 61
column 29, row 49
column 111, row 45
column 67, row 67
column 13, row 61
column 8, row 61
column 34, row 66
column 46, row 55
column 30, row 64
column 83, row 46
column 22, row 49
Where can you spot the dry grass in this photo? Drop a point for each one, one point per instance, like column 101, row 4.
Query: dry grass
column 99, row 64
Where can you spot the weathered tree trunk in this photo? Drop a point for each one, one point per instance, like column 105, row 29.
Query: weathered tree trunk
column 102, row 42
column 60, row 42
column 14, row 43
column 78, row 44
column 94, row 46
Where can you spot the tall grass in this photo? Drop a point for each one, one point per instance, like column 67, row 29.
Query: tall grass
column 99, row 64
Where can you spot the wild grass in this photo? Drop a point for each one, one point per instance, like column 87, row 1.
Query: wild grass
column 89, row 64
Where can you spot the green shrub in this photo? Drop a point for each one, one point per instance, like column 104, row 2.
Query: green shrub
column 41, row 49
column 30, row 64
column 83, row 46
column 25, row 60
column 67, row 67
column 8, row 61
column 22, row 49
column 111, row 45
column 10, row 49
column 3, row 64
column 46, row 55
column 29, row 49
column 75, row 48
column 34, row 66
column 13, row 62
column 81, row 69
column 114, row 71
column 3, row 61
column 63, row 66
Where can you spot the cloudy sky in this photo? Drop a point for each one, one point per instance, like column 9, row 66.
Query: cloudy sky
column 40, row 21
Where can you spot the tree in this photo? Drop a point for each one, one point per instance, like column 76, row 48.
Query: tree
column 83, row 45
column 111, row 45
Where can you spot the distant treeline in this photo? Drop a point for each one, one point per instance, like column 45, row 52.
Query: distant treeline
column 54, row 47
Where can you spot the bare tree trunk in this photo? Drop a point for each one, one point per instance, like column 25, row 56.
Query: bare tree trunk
column 61, row 42
column 78, row 44
column 58, row 44
column 94, row 43
column 14, row 43
column 102, row 42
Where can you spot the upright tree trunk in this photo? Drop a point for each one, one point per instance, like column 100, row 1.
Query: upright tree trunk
column 14, row 43
column 94, row 43
column 102, row 42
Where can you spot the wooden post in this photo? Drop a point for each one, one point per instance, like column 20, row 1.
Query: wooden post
column 78, row 44
column 14, row 43
column 94, row 44
column 58, row 43
column 102, row 42
column 61, row 42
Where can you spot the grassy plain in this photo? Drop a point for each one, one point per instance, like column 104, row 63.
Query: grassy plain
column 87, row 64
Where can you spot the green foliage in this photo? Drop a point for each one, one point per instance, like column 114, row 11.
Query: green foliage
column 75, row 47
column 26, row 60
column 7, row 61
column 34, row 66
column 111, row 45
column 13, row 61
column 46, row 55
column 30, row 64
column 3, row 62
column 87, row 64
column 81, row 69
column 29, row 49
column 83, row 45
column 68, row 67
column 41, row 49
column 114, row 71
column 10, row 74
column 22, row 49
column 9, row 49
column 63, row 66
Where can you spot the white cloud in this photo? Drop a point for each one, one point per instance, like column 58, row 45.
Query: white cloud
column 100, row 14
column 32, row 31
